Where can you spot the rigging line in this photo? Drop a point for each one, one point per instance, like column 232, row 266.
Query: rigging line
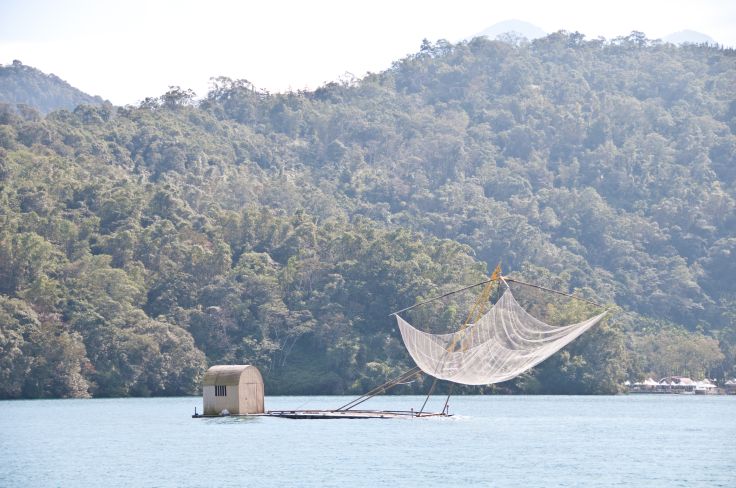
column 376, row 390
column 478, row 308
column 304, row 403
column 447, row 400
column 505, row 278
column 620, row 311
column 431, row 390
column 379, row 389
column 438, row 297
column 390, row 384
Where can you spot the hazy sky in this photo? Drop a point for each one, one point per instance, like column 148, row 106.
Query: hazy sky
column 126, row 50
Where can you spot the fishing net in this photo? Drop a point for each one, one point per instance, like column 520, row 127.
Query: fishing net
column 499, row 346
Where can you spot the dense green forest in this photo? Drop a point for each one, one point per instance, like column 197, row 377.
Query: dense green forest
column 26, row 87
column 140, row 244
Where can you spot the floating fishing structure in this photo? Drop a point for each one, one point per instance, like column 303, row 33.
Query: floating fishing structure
column 490, row 347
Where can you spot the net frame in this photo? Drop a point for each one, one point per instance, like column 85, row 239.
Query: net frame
column 504, row 343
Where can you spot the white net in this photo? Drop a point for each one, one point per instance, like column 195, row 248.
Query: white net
column 501, row 345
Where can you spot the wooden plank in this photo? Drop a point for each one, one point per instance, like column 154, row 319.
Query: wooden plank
column 335, row 414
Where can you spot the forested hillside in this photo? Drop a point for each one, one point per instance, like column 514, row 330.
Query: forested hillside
column 26, row 86
column 139, row 244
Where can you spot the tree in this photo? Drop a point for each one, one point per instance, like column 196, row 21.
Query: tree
column 176, row 98
column 595, row 363
column 39, row 357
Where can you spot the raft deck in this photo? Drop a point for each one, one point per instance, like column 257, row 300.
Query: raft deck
column 336, row 414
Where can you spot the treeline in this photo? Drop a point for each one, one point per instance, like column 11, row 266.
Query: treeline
column 139, row 244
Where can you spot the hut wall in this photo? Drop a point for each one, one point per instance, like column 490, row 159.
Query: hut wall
column 213, row 405
column 251, row 398
column 244, row 390
column 251, row 391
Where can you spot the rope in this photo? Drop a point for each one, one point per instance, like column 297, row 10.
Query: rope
column 380, row 389
column 553, row 291
column 503, row 278
column 447, row 400
column 439, row 297
column 431, row 390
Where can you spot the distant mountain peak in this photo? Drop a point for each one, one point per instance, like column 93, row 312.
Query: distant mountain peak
column 23, row 84
column 512, row 26
column 689, row 37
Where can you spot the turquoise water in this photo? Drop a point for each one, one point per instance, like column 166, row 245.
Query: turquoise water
column 506, row 441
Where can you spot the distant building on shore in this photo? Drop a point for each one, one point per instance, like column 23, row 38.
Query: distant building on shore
column 676, row 384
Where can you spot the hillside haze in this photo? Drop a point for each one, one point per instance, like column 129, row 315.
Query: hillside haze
column 140, row 244
column 689, row 36
column 25, row 85
column 518, row 27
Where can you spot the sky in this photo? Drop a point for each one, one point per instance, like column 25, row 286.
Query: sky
column 127, row 50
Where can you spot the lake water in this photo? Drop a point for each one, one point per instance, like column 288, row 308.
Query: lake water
column 505, row 441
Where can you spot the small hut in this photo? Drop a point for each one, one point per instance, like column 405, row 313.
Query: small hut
column 237, row 389
column 705, row 387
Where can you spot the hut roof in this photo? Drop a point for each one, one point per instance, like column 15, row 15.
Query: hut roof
column 677, row 381
column 226, row 374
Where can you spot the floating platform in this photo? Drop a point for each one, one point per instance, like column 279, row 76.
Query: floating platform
column 335, row 414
